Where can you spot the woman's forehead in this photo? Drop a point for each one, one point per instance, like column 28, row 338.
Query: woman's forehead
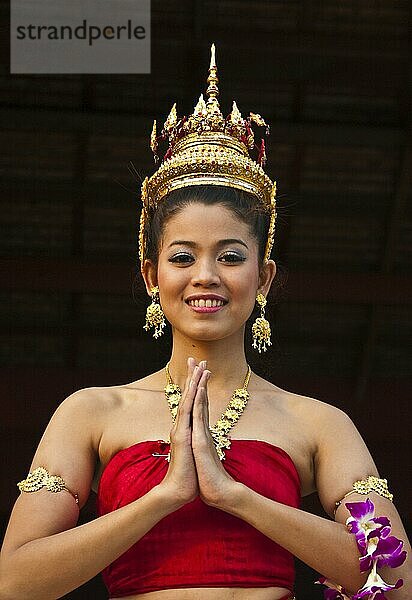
column 198, row 219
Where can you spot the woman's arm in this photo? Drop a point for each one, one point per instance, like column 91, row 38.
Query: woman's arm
column 53, row 565
column 44, row 554
column 325, row 545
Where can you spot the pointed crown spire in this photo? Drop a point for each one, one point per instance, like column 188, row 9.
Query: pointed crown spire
column 207, row 116
column 212, row 90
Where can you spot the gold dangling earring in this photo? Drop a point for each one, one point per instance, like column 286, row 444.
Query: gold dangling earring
column 154, row 314
column 261, row 327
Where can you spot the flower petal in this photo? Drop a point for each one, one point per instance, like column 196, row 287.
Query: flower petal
column 389, row 552
column 378, row 526
column 365, row 563
column 361, row 511
column 354, row 526
column 374, row 584
column 384, row 532
column 330, row 594
column 334, row 591
column 383, row 521
column 392, row 561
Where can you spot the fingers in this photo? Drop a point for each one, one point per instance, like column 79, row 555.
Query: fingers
column 194, row 376
column 201, row 405
column 192, row 382
column 191, row 364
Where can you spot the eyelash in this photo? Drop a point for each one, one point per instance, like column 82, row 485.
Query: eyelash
column 175, row 258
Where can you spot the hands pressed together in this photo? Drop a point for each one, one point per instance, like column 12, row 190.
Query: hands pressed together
column 195, row 468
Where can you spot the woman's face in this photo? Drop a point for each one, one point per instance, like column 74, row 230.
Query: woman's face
column 208, row 272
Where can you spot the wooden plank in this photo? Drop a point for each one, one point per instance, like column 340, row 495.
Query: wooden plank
column 135, row 126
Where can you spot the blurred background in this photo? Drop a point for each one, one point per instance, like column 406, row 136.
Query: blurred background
column 333, row 79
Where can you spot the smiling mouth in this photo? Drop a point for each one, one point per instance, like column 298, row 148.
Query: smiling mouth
column 206, row 303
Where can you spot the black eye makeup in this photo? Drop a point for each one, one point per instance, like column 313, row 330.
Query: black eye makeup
column 232, row 256
column 229, row 256
column 181, row 257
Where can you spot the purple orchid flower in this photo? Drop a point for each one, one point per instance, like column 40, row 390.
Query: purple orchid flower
column 375, row 587
column 364, row 525
column 331, row 594
column 377, row 548
column 366, row 561
column 333, row 591
column 389, row 552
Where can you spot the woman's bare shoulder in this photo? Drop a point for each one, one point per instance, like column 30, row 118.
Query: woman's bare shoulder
column 101, row 398
column 312, row 408
column 100, row 404
column 307, row 408
column 94, row 400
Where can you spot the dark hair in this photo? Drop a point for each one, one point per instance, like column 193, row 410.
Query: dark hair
column 244, row 205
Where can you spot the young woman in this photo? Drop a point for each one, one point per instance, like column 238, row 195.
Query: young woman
column 199, row 467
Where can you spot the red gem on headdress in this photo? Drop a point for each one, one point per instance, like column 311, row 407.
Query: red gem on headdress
column 168, row 153
column 261, row 160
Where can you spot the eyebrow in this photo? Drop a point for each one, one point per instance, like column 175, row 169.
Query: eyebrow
column 220, row 243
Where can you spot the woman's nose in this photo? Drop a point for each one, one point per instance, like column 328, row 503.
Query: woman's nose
column 206, row 274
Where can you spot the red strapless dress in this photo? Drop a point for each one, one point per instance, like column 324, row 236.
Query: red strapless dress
column 197, row 545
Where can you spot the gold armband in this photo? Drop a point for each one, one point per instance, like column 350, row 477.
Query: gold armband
column 364, row 486
column 40, row 478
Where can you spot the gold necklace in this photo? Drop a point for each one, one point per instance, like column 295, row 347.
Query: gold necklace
column 228, row 418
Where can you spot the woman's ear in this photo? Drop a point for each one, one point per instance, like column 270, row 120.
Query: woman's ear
column 266, row 277
column 149, row 274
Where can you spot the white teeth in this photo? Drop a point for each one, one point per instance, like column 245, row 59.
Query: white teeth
column 201, row 303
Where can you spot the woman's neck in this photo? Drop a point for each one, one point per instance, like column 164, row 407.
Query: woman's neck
column 225, row 360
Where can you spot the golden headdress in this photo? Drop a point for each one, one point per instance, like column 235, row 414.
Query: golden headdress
column 208, row 149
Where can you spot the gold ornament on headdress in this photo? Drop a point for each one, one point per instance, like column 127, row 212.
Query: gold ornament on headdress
column 171, row 120
column 208, row 149
column 153, row 140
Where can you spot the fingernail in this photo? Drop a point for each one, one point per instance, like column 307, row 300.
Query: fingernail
column 203, row 364
column 208, row 374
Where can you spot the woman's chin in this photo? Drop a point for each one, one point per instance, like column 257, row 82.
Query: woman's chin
column 204, row 332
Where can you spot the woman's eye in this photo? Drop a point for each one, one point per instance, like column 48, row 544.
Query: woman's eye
column 232, row 257
column 181, row 257
column 186, row 257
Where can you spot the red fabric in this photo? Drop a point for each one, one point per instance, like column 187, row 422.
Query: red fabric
column 197, row 545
